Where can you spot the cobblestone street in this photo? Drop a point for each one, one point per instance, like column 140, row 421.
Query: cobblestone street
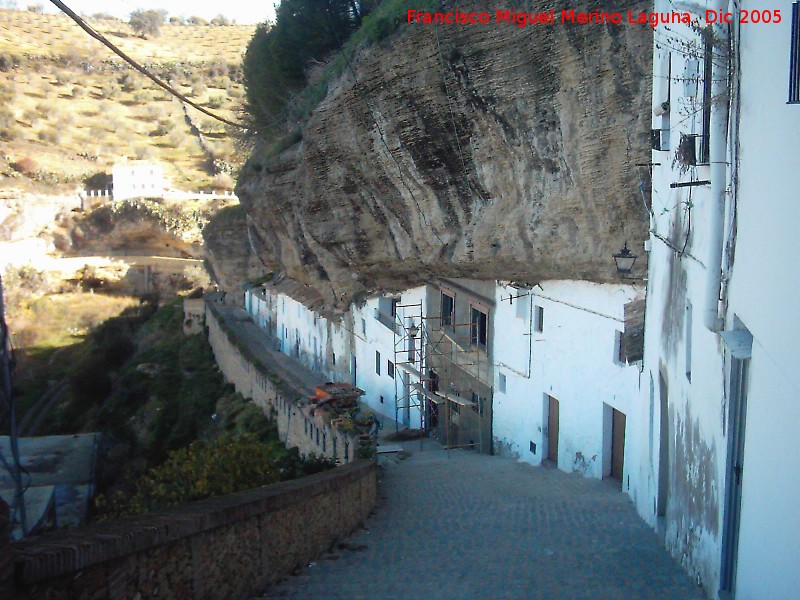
column 460, row 525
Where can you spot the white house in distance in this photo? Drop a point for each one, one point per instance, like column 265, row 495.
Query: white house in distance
column 138, row 179
column 721, row 382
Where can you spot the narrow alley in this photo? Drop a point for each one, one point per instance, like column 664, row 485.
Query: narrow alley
column 460, row 525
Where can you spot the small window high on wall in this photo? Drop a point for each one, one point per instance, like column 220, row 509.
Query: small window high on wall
column 448, row 309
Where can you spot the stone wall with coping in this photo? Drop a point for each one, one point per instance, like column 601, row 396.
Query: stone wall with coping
column 297, row 425
column 226, row 547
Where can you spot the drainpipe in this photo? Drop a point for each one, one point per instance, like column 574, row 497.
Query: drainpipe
column 718, row 171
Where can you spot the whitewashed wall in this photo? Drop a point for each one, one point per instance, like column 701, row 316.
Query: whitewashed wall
column 763, row 295
column 764, row 283
column 371, row 336
column 574, row 359
column 338, row 349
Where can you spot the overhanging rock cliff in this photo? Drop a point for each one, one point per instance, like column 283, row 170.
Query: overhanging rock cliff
column 482, row 151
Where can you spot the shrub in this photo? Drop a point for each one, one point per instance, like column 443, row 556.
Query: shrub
column 143, row 152
column 196, row 21
column 220, row 20
column 78, row 91
column 111, row 90
column 130, row 82
column 50, row 135
column 26, row 166
column 199, row 87
column 222, row 182
column 202, row 470
column 63, row 78
column 141, row 97
column 163, row 128
column 216, row 101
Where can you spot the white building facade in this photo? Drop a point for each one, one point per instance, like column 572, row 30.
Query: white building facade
column 720, row 386
column 138, row 179
column 563, row 388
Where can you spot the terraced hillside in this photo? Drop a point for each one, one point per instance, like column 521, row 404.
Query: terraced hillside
column 69, row 108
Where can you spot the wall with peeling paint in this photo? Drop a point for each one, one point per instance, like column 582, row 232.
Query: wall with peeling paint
column 694, row 363
column 574, row 359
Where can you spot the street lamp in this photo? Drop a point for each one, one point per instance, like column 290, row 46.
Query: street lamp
column 624, row 260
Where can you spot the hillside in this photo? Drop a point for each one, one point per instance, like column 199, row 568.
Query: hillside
column 73, row 108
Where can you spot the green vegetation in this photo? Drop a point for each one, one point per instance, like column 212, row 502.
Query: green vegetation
column 203, row 469
column 174, row 431
column 278, row 87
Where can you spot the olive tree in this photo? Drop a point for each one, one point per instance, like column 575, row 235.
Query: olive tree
column 147, row 22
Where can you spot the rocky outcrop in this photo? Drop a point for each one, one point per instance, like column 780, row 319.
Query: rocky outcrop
column 480, row 151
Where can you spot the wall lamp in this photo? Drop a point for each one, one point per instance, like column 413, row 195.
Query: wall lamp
column 624, row 260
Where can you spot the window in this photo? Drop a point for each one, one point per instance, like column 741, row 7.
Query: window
column 448, row 309
column 377, row 362
column 538, row 318
column 363, row 327
column 479, row 402
column 478, row 327
column 619, row 348
column 522, row 307
column 501, row 383
column 333, row 358
column 390, row 368
column 794, row 62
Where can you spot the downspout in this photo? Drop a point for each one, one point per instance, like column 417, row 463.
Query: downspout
column 718, row 138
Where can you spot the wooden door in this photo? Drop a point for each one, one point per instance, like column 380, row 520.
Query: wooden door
column 617, row 444
column 552, row 430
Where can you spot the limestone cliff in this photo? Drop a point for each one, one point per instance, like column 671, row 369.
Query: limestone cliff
column 481, row 151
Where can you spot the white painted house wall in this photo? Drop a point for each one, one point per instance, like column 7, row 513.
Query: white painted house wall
column 573, row 359
column 373, row 336
column 330, row 348
column 765, row 285
column 138, row 179
column 764, row 281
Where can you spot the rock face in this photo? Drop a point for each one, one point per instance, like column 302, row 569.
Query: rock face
column 480, row 151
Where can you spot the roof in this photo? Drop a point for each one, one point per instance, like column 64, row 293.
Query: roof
column 59, row 479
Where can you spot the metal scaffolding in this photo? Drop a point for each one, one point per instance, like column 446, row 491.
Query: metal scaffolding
column 430, row 356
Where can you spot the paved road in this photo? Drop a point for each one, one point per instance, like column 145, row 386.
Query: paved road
column 464, row 526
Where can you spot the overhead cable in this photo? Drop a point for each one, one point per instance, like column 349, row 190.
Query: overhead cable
column 143, row 70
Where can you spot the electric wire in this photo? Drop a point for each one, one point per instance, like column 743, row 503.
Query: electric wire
column 143, row 70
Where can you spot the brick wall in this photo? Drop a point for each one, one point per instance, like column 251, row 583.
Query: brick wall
column 226, row 547
column 311, row 434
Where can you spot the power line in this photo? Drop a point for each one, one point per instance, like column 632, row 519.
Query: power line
column 144, row 71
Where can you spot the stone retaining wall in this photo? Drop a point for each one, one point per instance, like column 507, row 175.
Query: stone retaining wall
column 297, row 426
column 227, row 547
